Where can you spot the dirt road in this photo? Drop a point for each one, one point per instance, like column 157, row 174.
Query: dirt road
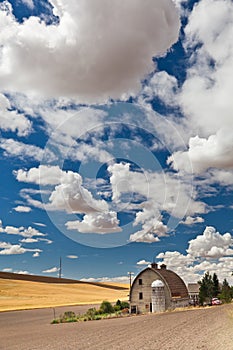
column 206, row 329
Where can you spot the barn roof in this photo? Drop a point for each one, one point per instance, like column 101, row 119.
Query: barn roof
column 174, row 282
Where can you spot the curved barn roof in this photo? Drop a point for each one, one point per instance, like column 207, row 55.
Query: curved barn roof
column 175, row 283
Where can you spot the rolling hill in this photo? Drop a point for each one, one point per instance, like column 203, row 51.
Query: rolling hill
column 19, row 292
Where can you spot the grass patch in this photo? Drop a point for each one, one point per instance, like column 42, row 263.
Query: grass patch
column 105, row 311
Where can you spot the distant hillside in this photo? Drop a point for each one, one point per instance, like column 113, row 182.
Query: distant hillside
column 20, row 292
column 45, row 279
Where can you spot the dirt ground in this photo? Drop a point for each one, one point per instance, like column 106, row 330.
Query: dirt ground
column 210, row 328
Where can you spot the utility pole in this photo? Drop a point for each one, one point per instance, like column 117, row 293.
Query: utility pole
column 130, row 280
column 60, row 268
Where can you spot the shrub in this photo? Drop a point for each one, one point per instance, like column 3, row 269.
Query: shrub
column 68, row 316
column 106, row 307
column 91, row 313
column 117, row 308
column 55, row 321
column 124, row 305
column 120, row 305
column 98, row 317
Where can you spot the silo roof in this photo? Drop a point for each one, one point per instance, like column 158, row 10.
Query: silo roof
column 157, row 283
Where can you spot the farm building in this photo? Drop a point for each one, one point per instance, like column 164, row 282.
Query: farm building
column 157, row 289
column 193, row 290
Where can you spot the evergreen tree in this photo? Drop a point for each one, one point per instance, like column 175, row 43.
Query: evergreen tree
column 206, row 290
column 216, row 287
column 226, row 292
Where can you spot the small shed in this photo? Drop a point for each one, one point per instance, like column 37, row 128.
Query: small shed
column 157, row 289
column 193, row 290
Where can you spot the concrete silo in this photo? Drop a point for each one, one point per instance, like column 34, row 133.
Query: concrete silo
column 158, row 296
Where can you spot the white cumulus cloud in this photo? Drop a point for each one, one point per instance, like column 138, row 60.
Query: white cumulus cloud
column 211, row 244
column 14, row 249
column 105, row 63
column 100, row 222
column 11, row 120
column 143, row 262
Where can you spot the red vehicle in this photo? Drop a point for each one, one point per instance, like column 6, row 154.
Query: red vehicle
column 216, row 301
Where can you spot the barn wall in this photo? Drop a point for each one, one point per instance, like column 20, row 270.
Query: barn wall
column 180, row 303
column 147, row 276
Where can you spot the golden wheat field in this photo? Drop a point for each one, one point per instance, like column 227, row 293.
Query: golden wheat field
column 19, row 295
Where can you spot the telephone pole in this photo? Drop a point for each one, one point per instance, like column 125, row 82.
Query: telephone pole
column 130, row 280
column 60, row 268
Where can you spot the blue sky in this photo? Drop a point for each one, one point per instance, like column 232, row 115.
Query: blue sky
column 116, row 137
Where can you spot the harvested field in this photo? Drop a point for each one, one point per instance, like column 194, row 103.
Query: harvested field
column 23, row 294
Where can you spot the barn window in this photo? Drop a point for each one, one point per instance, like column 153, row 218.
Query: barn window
column 140, row 281
column 140, row 296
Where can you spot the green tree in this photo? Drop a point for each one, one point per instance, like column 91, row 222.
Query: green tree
column 106, row 307
column 226, row 295
column 232, row 292
column 216, row 287
column 120, row 305
column 206, row 290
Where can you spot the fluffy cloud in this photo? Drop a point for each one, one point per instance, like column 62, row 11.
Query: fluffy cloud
column 206, row 95
column 105, row 63
column 22, row 150
column 11, row 120
column 175, row 259
column 71, row 196
column 143, row 237
column 211, row 244
column 52, row 270
column 192, row 221
column 14, row 249
column 9, row 249
column 209, row 78
column 143, row 262
column 103, row 222
column 222, row 177
column 152, row 229
column 72, row 256
column 28, row 232
column 162, row 86
column 214, row 152
column 162, row 191
column 43, row 175
column 22, row 209
column 118, row 279
column 210, row 251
